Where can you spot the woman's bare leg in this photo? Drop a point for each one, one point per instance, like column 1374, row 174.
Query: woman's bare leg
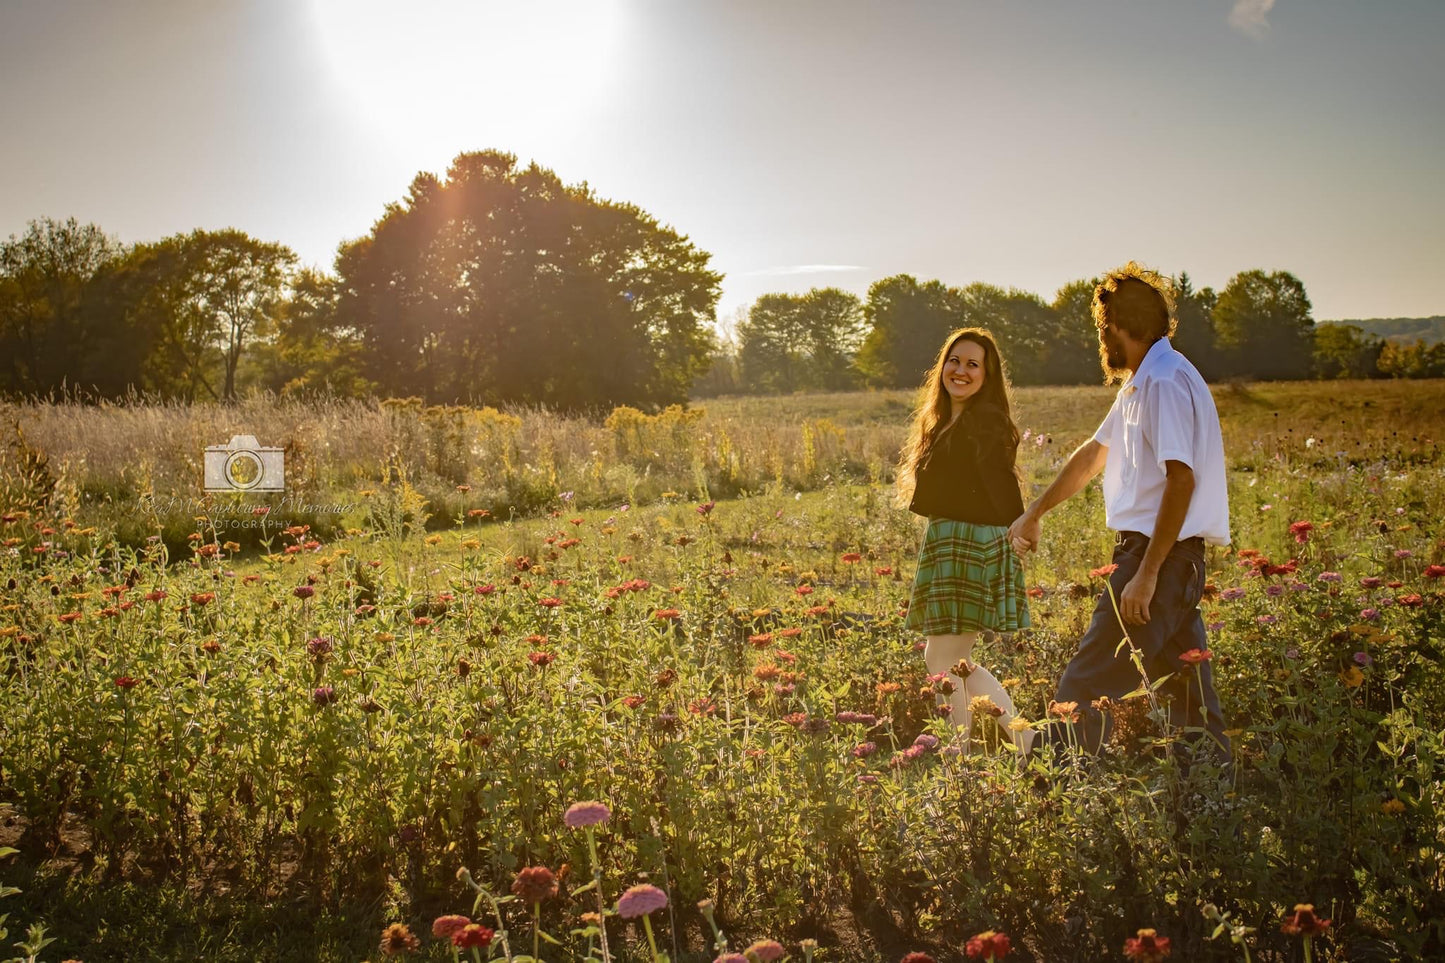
column 943, row 653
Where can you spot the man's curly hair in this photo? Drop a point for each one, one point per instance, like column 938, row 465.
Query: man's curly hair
column 1137, row 300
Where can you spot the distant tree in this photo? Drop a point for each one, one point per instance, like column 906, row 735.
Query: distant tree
column 833, row 329
column 211, row 294
column 312, row 351
column 907, row 322
column 48, row 304
column 1345, row 351
column 1418, row 360
column 1071, row 356
column 1262, row 322
column 1195, row 337
column 800, row 342
column 1021, row 323
column 771, row 351
column 503, row 284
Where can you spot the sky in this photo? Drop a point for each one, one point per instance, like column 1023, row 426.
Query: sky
column 804, row 143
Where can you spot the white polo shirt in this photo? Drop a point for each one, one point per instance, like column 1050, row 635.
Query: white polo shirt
column 1164, row 412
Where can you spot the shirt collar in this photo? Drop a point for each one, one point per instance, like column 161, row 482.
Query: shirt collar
column 1158, row 352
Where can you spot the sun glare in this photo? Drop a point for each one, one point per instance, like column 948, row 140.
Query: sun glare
column 454, row 75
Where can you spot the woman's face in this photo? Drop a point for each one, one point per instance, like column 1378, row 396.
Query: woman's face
column 963, row 370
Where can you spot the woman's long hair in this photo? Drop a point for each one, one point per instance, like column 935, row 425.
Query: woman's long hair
column 935, row 406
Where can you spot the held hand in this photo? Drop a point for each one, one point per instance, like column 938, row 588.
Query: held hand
column 1025, row 531
column 1134, row 600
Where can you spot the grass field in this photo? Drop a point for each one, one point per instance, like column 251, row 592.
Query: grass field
column 241, row 743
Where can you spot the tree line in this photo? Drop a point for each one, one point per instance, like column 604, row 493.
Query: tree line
column 500, row 284
column 1259, row 326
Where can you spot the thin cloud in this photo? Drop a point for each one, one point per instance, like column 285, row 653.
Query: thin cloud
column 1251, row 17
column 774, row 272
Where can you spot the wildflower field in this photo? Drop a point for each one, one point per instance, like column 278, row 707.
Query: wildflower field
column 633, row 685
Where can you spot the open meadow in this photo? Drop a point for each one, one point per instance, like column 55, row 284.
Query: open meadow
column 251, row 727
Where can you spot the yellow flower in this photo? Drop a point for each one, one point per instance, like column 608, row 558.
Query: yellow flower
column 1019, row 724
column 1353, row 677
column 1392, row 807
column 471, row 544
column 433, row 539
column 367, row 492
column 1011, row 681
column 385, row 637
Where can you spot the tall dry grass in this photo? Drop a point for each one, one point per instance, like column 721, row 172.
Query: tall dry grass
column 138, row 467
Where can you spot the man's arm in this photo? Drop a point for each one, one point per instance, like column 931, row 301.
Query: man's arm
column 1086, row 462
column 1178, row 492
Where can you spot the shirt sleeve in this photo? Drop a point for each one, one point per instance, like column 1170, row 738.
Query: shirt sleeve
column 1105, row 430
column 1169, row 422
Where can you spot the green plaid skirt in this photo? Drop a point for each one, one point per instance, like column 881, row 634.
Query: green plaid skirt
column 968, row 579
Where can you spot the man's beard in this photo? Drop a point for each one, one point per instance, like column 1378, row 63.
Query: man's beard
column 1112, row 357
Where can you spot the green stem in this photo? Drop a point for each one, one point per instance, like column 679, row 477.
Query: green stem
column 652, row 943
column 601, row 906
column 536, row 926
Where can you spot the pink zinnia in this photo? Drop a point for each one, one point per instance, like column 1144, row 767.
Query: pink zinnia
column 586, row 814
column 445, row 926
column 765, row 951
column 303, row 591
column 640, row 900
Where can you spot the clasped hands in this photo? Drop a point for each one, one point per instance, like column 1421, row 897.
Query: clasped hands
column 1024, row 533
column 1133, row 601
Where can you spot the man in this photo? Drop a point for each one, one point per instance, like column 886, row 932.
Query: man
column 1162, row 456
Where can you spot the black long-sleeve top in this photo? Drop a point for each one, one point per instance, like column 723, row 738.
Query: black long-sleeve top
column 968, row 473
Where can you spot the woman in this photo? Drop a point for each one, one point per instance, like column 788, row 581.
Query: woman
column 958, row 470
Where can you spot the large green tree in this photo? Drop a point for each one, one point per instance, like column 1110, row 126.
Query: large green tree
column 501, row 283
column 1263, row 325
column 52, row 295
column 1023, row 327
column 1194, row 336
column 207, row 296
column 312, row 351
column 1346, row 351
column 800, row 342
column 1071, row 356
column 907, row 322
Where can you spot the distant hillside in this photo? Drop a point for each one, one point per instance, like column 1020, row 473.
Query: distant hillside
column 1407, row 330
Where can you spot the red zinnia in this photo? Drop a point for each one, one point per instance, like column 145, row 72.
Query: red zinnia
column 1301, row 532
column 549, row 603
column 445, row 926
column 1195, row 656
column 534, row 884
column 916, row 957
column 663, row 615
column 125, row 682
column 988, row 945
column 1103, row 571
column 1434, row 571
column 303, row 591
column 472, row 935
column 850, row 558
column 1304, row 922
column 1147, row 947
